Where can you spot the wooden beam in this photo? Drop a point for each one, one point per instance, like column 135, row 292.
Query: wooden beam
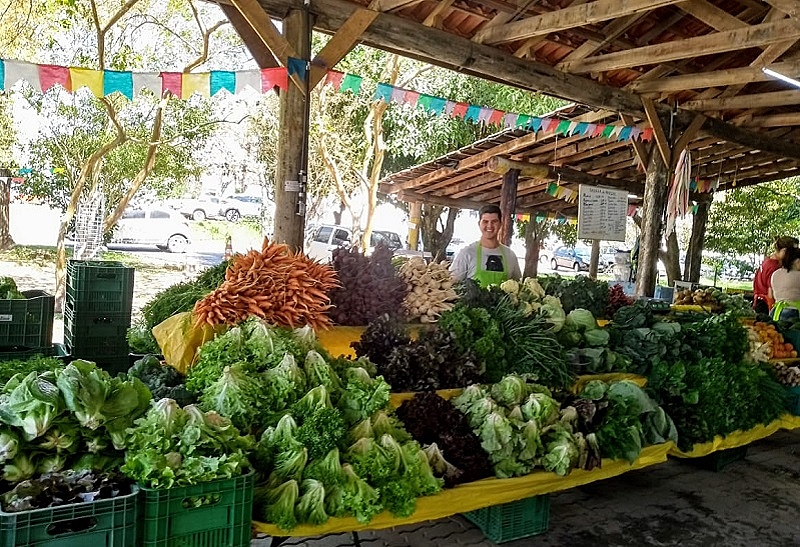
column 434, row 17
column 757, row 100
column 718, row 78
column 269, row 35
column 658, row 131
column 508, row 204
column 687, row 136
column 719, row 42
column 453, row 52
column 340, row 44
column 774, row 120
column 566, row 18
column 638, row 146
column 391, row 5
column 711, row 15
column 789, row 7
column 260, row 52
column 410, row 195
column 610, row 32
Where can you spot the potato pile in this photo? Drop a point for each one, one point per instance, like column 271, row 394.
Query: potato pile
column 788, row 376
column 430, row 289
column 699, row 297
column 778, row 347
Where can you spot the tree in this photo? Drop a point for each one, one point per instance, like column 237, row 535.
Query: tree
column 437, row 232
column 7, row 138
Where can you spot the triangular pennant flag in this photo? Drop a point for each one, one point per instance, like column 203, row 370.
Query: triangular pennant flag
column 635, row 132
column 2, row 74
column 118, row 81
column 222, row 79
column 607, row 130
column 536, row 124
column 383, row 92
column 496, row 117
column 20, row 70
column 437, row 104
column 398, row 95
column 274, row 77
column 448, row 107
column 523, row 120
column 84, row 77
column 334, row 78
column 647, row 134
column 50, row 75
column 195, row 82
column 147, row 80
column 615, row 132
column 424, row 101
column 297, row 66
column 598, row 129
column 411, row 98
column 484, row 114
column 460, row 110
column 171, row 82
column 473, row 113
column 248, row 78
column 573, row 127
column 562, row 127
column 351, row 83
column 510, row 120
column 588, row 129
column 552, row 189
column 581, row 128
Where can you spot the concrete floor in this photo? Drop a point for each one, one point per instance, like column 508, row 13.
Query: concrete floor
column 754, row 502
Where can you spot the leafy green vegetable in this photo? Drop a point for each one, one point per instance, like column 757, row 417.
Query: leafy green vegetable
column 311, row 505
column 276, row 505
column 162, row 380
column 31, row 403
column 35, row 363
column 237, row 396
column 578, row 292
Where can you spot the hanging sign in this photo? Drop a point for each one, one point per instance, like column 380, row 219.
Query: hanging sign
column 602, row 213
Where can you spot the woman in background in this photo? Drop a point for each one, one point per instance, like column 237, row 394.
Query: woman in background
column 785, row 286
column 762, row 301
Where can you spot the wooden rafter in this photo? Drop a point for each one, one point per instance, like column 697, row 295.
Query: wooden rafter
column 662, row 143
column 719, row 42
column 566, row 18
column 432, row 20
column 610, row 32
column 340, row 44
column 717, row 78
column 260, row 52
column 711, row 15
column 789, row 7
column 758, row 100
column 687, row 136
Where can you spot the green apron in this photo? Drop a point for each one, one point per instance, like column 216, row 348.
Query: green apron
column 485, row 277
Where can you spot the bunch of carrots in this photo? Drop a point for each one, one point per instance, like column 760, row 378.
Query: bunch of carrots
column 779, row 348
column 283, row 288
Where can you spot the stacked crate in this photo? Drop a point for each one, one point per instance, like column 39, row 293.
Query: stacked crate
column 97, row 312
column 26, row 325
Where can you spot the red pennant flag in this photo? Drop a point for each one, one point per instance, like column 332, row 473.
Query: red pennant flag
column 172, row 82
column 460, row 109
column 647, row 134
column 598, row 130
column 274, row 77
column 411, row 98
column 497, row 117
column 49, row 75
column 334, row 78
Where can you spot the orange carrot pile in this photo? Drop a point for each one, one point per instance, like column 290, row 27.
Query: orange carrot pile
column 283, row 288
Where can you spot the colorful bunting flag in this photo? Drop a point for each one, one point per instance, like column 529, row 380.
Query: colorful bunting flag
column 120, row 82
column 334, row 78
column 222, row 79
column 297, row 66
column 272, row 78
column 351, row 83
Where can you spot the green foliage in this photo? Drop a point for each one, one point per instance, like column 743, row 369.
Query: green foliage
column 747, row 219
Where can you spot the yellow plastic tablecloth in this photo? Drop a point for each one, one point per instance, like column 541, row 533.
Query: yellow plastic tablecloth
column 738, row 438
column 336, row 340
column 479, row 494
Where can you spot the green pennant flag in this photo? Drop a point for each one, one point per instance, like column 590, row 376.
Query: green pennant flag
column 608, row 130
column 523, row 120
column 351, row 82
column 563, row 127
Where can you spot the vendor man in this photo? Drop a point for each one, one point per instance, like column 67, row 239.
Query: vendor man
column 487, row 261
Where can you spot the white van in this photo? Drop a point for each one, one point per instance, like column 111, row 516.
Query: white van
column 327, row 237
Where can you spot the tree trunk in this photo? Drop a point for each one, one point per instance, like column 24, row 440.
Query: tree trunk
column 433, row 240
column 694, row 254
column 534, row 234
column 655, row 200
column 671, row 259
column 6, row 242
column 508, row 205
column 289, row 213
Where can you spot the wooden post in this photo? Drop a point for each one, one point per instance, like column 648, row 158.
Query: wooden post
column 292, row 150
column 6, row 241
column 694, row 254
column 415, row 215
column 508, row 204
column 654, row 204
column 594, row 259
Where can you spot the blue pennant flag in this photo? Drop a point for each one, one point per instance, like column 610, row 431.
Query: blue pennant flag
column 297, row 66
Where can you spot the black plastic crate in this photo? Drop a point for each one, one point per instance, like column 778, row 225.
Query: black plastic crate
column 27, row 323
column 99, row 286
column 96, row 335
column 717, row 461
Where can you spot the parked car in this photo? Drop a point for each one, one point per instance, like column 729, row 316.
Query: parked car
column 200, row 208
column 327, row 237
column 232, row 208
column 574, row 258
column 164, row 228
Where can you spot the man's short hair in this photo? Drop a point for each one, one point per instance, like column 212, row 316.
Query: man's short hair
column 489, row 210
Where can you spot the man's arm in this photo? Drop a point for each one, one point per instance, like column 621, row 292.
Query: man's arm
column 459, row 268
column 513, row 269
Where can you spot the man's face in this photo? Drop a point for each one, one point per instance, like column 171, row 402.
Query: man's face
column 489, row 225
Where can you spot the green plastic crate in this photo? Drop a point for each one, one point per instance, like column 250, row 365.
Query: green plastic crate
column 96, row 335
column 27, row 323
column 717, row 461
column 514, row 520
column 99, row 286
column 793, row 400
column 53, row 350
column 104, row 523
column 224, row 521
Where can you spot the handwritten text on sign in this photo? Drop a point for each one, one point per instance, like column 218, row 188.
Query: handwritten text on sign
column 602, row 213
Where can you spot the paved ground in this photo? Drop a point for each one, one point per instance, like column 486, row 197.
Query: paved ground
column 754, row 502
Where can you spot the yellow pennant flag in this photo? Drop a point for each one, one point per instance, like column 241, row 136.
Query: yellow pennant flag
column 85, row 77
column 192, row 83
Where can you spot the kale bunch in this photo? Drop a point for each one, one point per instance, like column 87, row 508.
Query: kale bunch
column 162, row 379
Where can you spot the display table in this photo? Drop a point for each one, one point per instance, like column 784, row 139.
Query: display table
column 479, row 494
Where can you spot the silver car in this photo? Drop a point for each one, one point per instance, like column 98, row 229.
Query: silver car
column 164, row 228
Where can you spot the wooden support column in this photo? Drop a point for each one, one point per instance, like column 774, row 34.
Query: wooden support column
column 594, row 258
column 654, row 204
column 694, row 253
column 415, row 216
column 292, row 145
column 508, row 205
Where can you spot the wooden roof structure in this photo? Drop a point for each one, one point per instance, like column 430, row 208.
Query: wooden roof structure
column 691, row 69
